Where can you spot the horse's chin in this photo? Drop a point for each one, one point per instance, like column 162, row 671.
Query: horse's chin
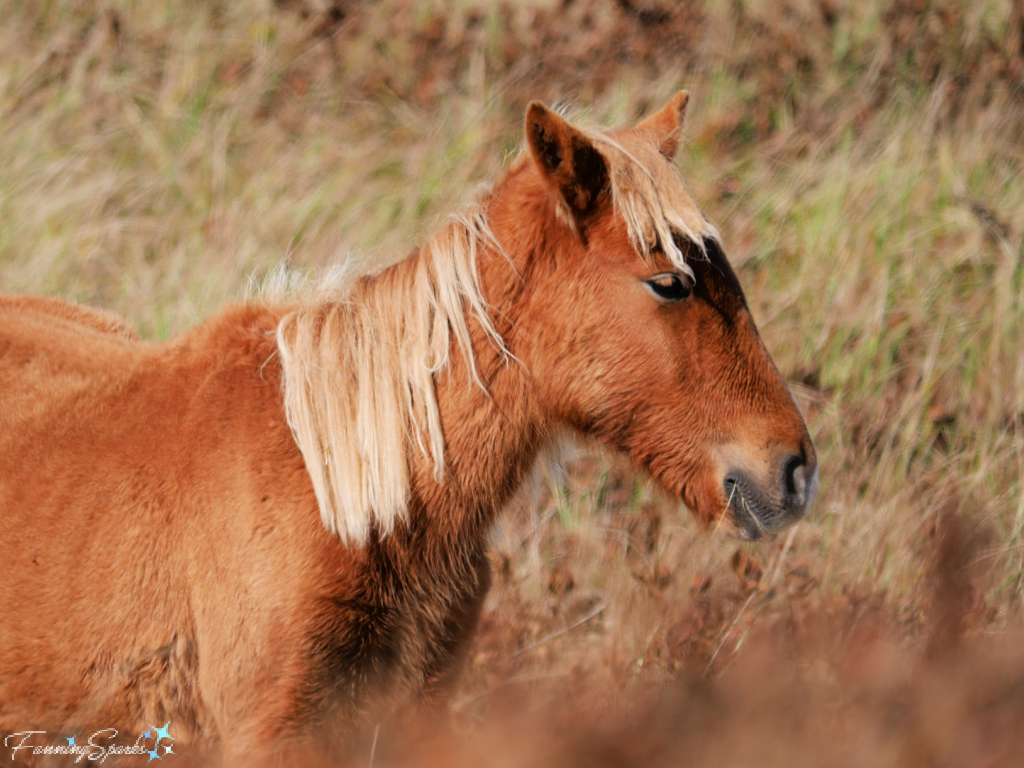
column 732, row 526
column 754, row 535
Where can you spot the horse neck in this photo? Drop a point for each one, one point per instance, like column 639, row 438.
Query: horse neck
column 494, row 433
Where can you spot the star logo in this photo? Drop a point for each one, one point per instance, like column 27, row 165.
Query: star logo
column 159, row 734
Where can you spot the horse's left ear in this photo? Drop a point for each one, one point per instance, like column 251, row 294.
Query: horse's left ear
column 667, row 124
column 566, row 159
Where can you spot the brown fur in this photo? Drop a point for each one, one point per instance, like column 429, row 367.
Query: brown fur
column 166, row 557
column 67, row 312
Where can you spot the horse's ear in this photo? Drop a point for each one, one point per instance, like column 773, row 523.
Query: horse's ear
column 566, row 158
column 667, row 124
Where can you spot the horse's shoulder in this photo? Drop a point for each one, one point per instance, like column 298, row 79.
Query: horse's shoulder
column 238, row 331
column 227, row 360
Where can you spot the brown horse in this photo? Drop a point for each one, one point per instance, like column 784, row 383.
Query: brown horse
column 277, row 522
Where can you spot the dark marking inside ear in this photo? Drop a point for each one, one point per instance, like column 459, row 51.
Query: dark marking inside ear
column 591, row 176
column 566, row 159
column 547, row 148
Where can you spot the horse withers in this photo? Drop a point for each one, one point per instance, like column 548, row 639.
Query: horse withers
column 276, row 524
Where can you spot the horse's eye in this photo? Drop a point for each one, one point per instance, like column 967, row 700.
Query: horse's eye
column 669, row 287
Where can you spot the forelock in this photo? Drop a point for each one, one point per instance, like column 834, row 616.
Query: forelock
column 649, row 194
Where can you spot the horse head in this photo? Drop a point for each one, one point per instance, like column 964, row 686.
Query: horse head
column 635, row 329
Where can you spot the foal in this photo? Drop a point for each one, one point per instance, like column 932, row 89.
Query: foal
column 277, row 522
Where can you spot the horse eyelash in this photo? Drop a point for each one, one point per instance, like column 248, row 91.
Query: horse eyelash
column 679, row 287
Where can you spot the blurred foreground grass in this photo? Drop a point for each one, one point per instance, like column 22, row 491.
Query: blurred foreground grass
column 864, row 161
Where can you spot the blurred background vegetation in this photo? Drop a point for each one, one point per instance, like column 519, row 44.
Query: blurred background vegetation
column 864, row 161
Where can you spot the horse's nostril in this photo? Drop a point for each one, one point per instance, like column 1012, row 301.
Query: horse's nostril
column 795, row 476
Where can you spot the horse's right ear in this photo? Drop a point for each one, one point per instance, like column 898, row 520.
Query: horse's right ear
column 566, row 159
column 667, row 124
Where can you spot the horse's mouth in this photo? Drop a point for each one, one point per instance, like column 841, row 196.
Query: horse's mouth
column 753, row 514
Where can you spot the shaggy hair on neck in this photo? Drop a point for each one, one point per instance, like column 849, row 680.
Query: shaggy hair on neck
column 358, row 377
column 359, row 366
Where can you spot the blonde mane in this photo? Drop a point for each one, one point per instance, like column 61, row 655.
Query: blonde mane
column 358, row 376
column 652, row 200
column 359, row 366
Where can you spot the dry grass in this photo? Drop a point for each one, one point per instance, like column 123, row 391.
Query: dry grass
column 864, row 162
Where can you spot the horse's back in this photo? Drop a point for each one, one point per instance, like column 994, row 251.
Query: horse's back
column 53, row 352
column 62, row 366
column 127, row 471
column 73, row 317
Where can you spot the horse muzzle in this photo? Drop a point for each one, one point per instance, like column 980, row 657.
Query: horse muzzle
column 757, row 510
